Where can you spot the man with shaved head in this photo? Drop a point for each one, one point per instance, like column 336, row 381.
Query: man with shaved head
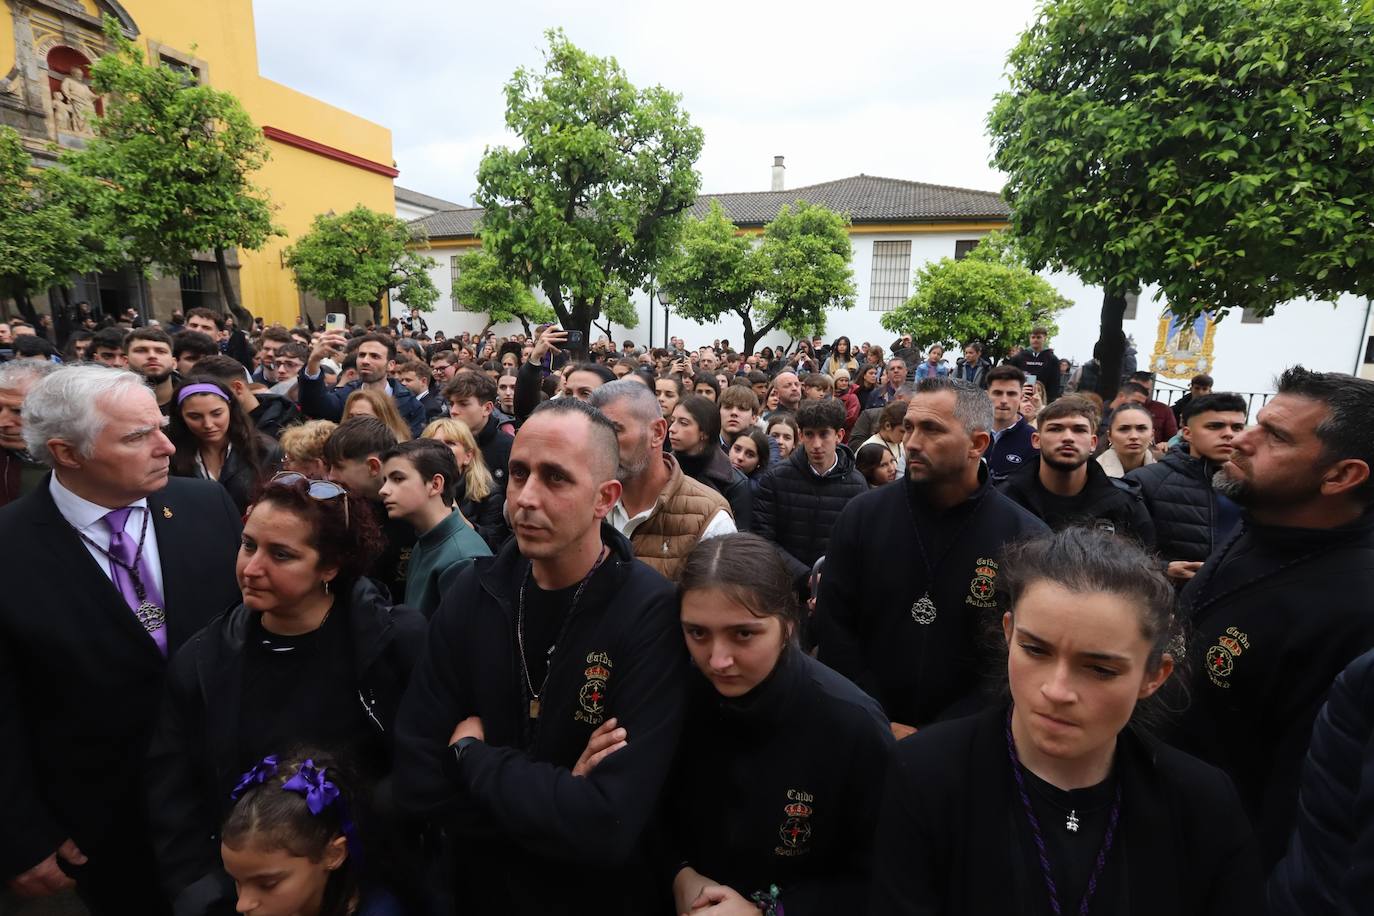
column 559, row 653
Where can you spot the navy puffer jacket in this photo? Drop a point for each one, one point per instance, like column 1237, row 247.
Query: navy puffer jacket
column 1329, row 868
column 795, row 507
column 1178, row 492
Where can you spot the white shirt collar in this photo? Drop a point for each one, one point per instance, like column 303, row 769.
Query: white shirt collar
column 81, row 513
column 829, row 469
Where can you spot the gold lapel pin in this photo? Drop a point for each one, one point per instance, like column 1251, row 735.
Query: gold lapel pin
column 166, row 513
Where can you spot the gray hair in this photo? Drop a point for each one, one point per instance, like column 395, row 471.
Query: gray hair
column 643, row 402
column 972, row 406
column 21, row 373
column 67, row 405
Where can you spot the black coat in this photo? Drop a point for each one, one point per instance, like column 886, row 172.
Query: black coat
column 1178, row 493
column 874, row 575
column 193, row 756
column 487, row 515
column 1275, row 615
column 796, row 508
column 275, row 413
column 1012, row 450
column 80, row 681
column 1329, row 869
column 1044, row 366
column 762, row 793
column 495, row 446
column 714, row 469
column 953, row 837
column 238, row 477
column 1107, row 503
column 528, row 836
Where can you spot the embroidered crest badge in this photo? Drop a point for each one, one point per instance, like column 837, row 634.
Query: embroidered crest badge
column 591, row 698
column 982, row 591
column 1220, row 660
column 795, row 830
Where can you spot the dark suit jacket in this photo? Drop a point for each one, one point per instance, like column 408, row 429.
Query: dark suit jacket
column 80, row 681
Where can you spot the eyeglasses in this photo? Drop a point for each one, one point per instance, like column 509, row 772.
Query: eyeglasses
column 322, row 490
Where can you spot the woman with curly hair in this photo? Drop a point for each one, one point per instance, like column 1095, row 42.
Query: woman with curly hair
column 313, row 654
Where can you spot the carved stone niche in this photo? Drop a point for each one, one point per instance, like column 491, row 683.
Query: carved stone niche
column 47, row 96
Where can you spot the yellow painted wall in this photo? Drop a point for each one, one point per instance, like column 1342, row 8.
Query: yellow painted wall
column 300, row 184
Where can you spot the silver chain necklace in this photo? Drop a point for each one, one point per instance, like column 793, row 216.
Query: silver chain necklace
column 567, row 618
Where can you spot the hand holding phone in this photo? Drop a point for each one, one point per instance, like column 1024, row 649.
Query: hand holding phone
column 335, row 321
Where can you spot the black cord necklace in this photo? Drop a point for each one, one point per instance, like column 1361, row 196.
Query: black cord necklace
column 924, row 611
column 531, row 694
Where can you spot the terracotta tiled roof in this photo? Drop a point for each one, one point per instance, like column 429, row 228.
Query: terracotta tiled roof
column 864, row 198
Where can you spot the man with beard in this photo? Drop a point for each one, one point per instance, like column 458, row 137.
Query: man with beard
column 542, row 720
column 148, row 351
column 1063, row 486
column 19, row 472
column 661, row 510
column 909, row 630
column 376, row 357
column 1281, row 608
column 1191, row 518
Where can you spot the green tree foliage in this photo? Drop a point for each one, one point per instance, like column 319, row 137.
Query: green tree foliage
column 47, row 233
column 799, row 270
column 988, row 296
column 484, row 287
column 591, row 200
column 617, row 309
column 174, row 160
column 359, row 256
column 1219, row 149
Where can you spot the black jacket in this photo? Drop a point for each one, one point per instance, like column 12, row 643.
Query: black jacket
column 80, row 682
column 795, row 507
column 1178, row 493
column 1275, row 615
column 274, row 413
column 487, row 515
column 238, row 477
column 193, row 756
column 953, row 836
column 714, row 469
column 972, row 372
column 874, row 575
column 528, row 836
column 495, row 446
column 1044, row 366
column 1104, row 502
column 781, row 787
column 1329, row 869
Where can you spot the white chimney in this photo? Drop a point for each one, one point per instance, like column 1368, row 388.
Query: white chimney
column 778, row 169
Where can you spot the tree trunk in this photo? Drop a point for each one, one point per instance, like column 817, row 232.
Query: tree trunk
column 63, row 319
column 581, row 321
column 226, row 293
column 25, row 305
column 377, row 311
column 1111, row 344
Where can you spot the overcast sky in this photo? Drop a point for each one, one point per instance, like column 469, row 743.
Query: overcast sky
column 894, row 89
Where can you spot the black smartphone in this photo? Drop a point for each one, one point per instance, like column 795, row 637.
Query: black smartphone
column 575, row 340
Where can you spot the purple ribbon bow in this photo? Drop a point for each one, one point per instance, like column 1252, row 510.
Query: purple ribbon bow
column 312, row 783
column 260, row 773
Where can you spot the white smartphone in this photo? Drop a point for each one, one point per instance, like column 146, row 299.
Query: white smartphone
column 1030, row 380
column 335, row 321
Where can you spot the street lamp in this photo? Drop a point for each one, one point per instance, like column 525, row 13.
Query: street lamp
column 664, row 300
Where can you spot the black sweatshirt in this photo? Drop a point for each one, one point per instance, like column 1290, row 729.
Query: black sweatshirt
column 867, row 626
column 781, row 787
column 528, row 836
column 953, row 837
column 1106, row 503
column 1275, row 615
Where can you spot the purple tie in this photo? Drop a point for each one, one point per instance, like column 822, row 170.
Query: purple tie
column 124, row 548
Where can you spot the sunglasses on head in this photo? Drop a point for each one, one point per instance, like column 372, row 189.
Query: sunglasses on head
column 322, row 490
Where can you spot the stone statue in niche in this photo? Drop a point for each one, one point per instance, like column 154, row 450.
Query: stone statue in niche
column 62, row 113
column 80, row 101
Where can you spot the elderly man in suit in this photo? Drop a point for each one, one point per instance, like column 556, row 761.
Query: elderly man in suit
column 108, row 567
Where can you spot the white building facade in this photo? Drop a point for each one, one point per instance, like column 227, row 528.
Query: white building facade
column 898, row 226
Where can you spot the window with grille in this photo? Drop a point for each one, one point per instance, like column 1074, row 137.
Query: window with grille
column 453, row 281
column 890, row 283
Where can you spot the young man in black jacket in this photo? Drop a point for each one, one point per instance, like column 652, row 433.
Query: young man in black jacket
column 799, row 499
column 1190, row 517
column 1040, row 361
column 909, row 585
column 561, row 640
column 1280, row 609
column 471, row 397
column 1065, row 486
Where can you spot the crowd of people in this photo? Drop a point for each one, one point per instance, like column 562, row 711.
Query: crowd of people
column 306, row 621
